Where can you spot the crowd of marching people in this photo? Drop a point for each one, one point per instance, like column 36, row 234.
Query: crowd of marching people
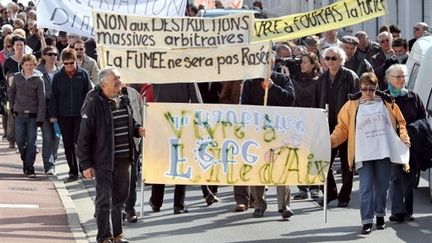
column 51, row 80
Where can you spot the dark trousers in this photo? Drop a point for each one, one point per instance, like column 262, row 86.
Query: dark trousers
column 130, row 203
column 347, row 175
column 112, row 190
column 206, row 190
column 402, row 187
column 157, row 195
column 69, row 127
column 4, row 122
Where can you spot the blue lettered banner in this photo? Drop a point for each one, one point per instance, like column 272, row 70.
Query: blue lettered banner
column 76, row 16
column 201, row 144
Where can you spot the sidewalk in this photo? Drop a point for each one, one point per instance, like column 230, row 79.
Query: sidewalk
column 34, row 210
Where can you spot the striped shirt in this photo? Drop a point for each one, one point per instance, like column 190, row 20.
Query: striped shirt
column 121, row 132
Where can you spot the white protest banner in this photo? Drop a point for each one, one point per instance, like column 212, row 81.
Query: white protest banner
column 158, row 65
column 138, row 31
column 217, row 144
column 76, row 16
column 209, row 4
column 334, row 16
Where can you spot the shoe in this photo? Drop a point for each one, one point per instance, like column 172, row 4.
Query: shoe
column 120, row 239
column 367, row 229
column 123, row 217
column 209, row 199
column 132, row 217
column 4, row 138
column 329, row 199
column 397, row 218
column 154, row 208
column 314, row 194
column 240, row 208
column 50, row 172
column 180, row 210
column 216, row 199
column 71, row 178
column 342, row 204
column 300, row 196
column 286, row 213
column 258, row 213
column 11, row 145
column 380, row 224
column 31, row 174
column 107, row 241
column 409, row 217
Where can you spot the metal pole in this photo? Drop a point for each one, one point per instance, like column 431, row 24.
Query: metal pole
column 325, row 181
column 142, row 160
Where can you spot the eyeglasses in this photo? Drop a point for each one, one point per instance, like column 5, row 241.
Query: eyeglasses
column 416, row 29
column 52, row 54
column 398, row 76
column 79, row 49
column 68, row 63
column 384, row 41
column 366, row 89
column 328, row 58
column 8, row 46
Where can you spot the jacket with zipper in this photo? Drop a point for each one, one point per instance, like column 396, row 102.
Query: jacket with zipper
column 95, row 147
column 346, row 127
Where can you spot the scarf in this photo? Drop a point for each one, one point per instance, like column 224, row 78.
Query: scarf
column 397, row 92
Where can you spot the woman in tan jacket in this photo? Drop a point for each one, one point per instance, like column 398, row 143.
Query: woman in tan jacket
column 370, row 120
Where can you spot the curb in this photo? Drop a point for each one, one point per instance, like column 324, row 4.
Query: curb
column 72, row 215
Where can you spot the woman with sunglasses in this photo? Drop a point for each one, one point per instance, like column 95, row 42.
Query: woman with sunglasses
column 368, row 121
column 50, row 142
column 412, row 108
column 332, row 91
column 69, row 88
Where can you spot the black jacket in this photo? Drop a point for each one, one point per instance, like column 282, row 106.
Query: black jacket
column 281, row 93
column 95, row 147
column 359, row 64
column 68, row 94
column 345, row 82
column 421, row 140
column 304, row 87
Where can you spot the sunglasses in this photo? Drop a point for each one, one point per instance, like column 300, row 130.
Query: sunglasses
column 68, row 63
column 8, row 46
column 383, row 41
column 370, row 89
column 79, row 49
column 51, row 54
column 328, row 58
column 398, row 76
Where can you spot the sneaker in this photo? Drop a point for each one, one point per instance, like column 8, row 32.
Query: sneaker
column 240, row 208
column 209, row 199
column 180, row 210
column 314, row 194
column 11, row 145
column 154, row 208
column 258, row 213
column 367, row 229
column 380, row 224
column 329, row 199
column 31, row 174
column 131, row 217
column 120, row 239
column 71, row 178
column 409, row 217
column 50, row 172
column 397, row 218
column 300, row 196
column 286, row 213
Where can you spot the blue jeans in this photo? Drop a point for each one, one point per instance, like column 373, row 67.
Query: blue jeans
column 50, row 144
column 374, row 179
column 25, row 137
